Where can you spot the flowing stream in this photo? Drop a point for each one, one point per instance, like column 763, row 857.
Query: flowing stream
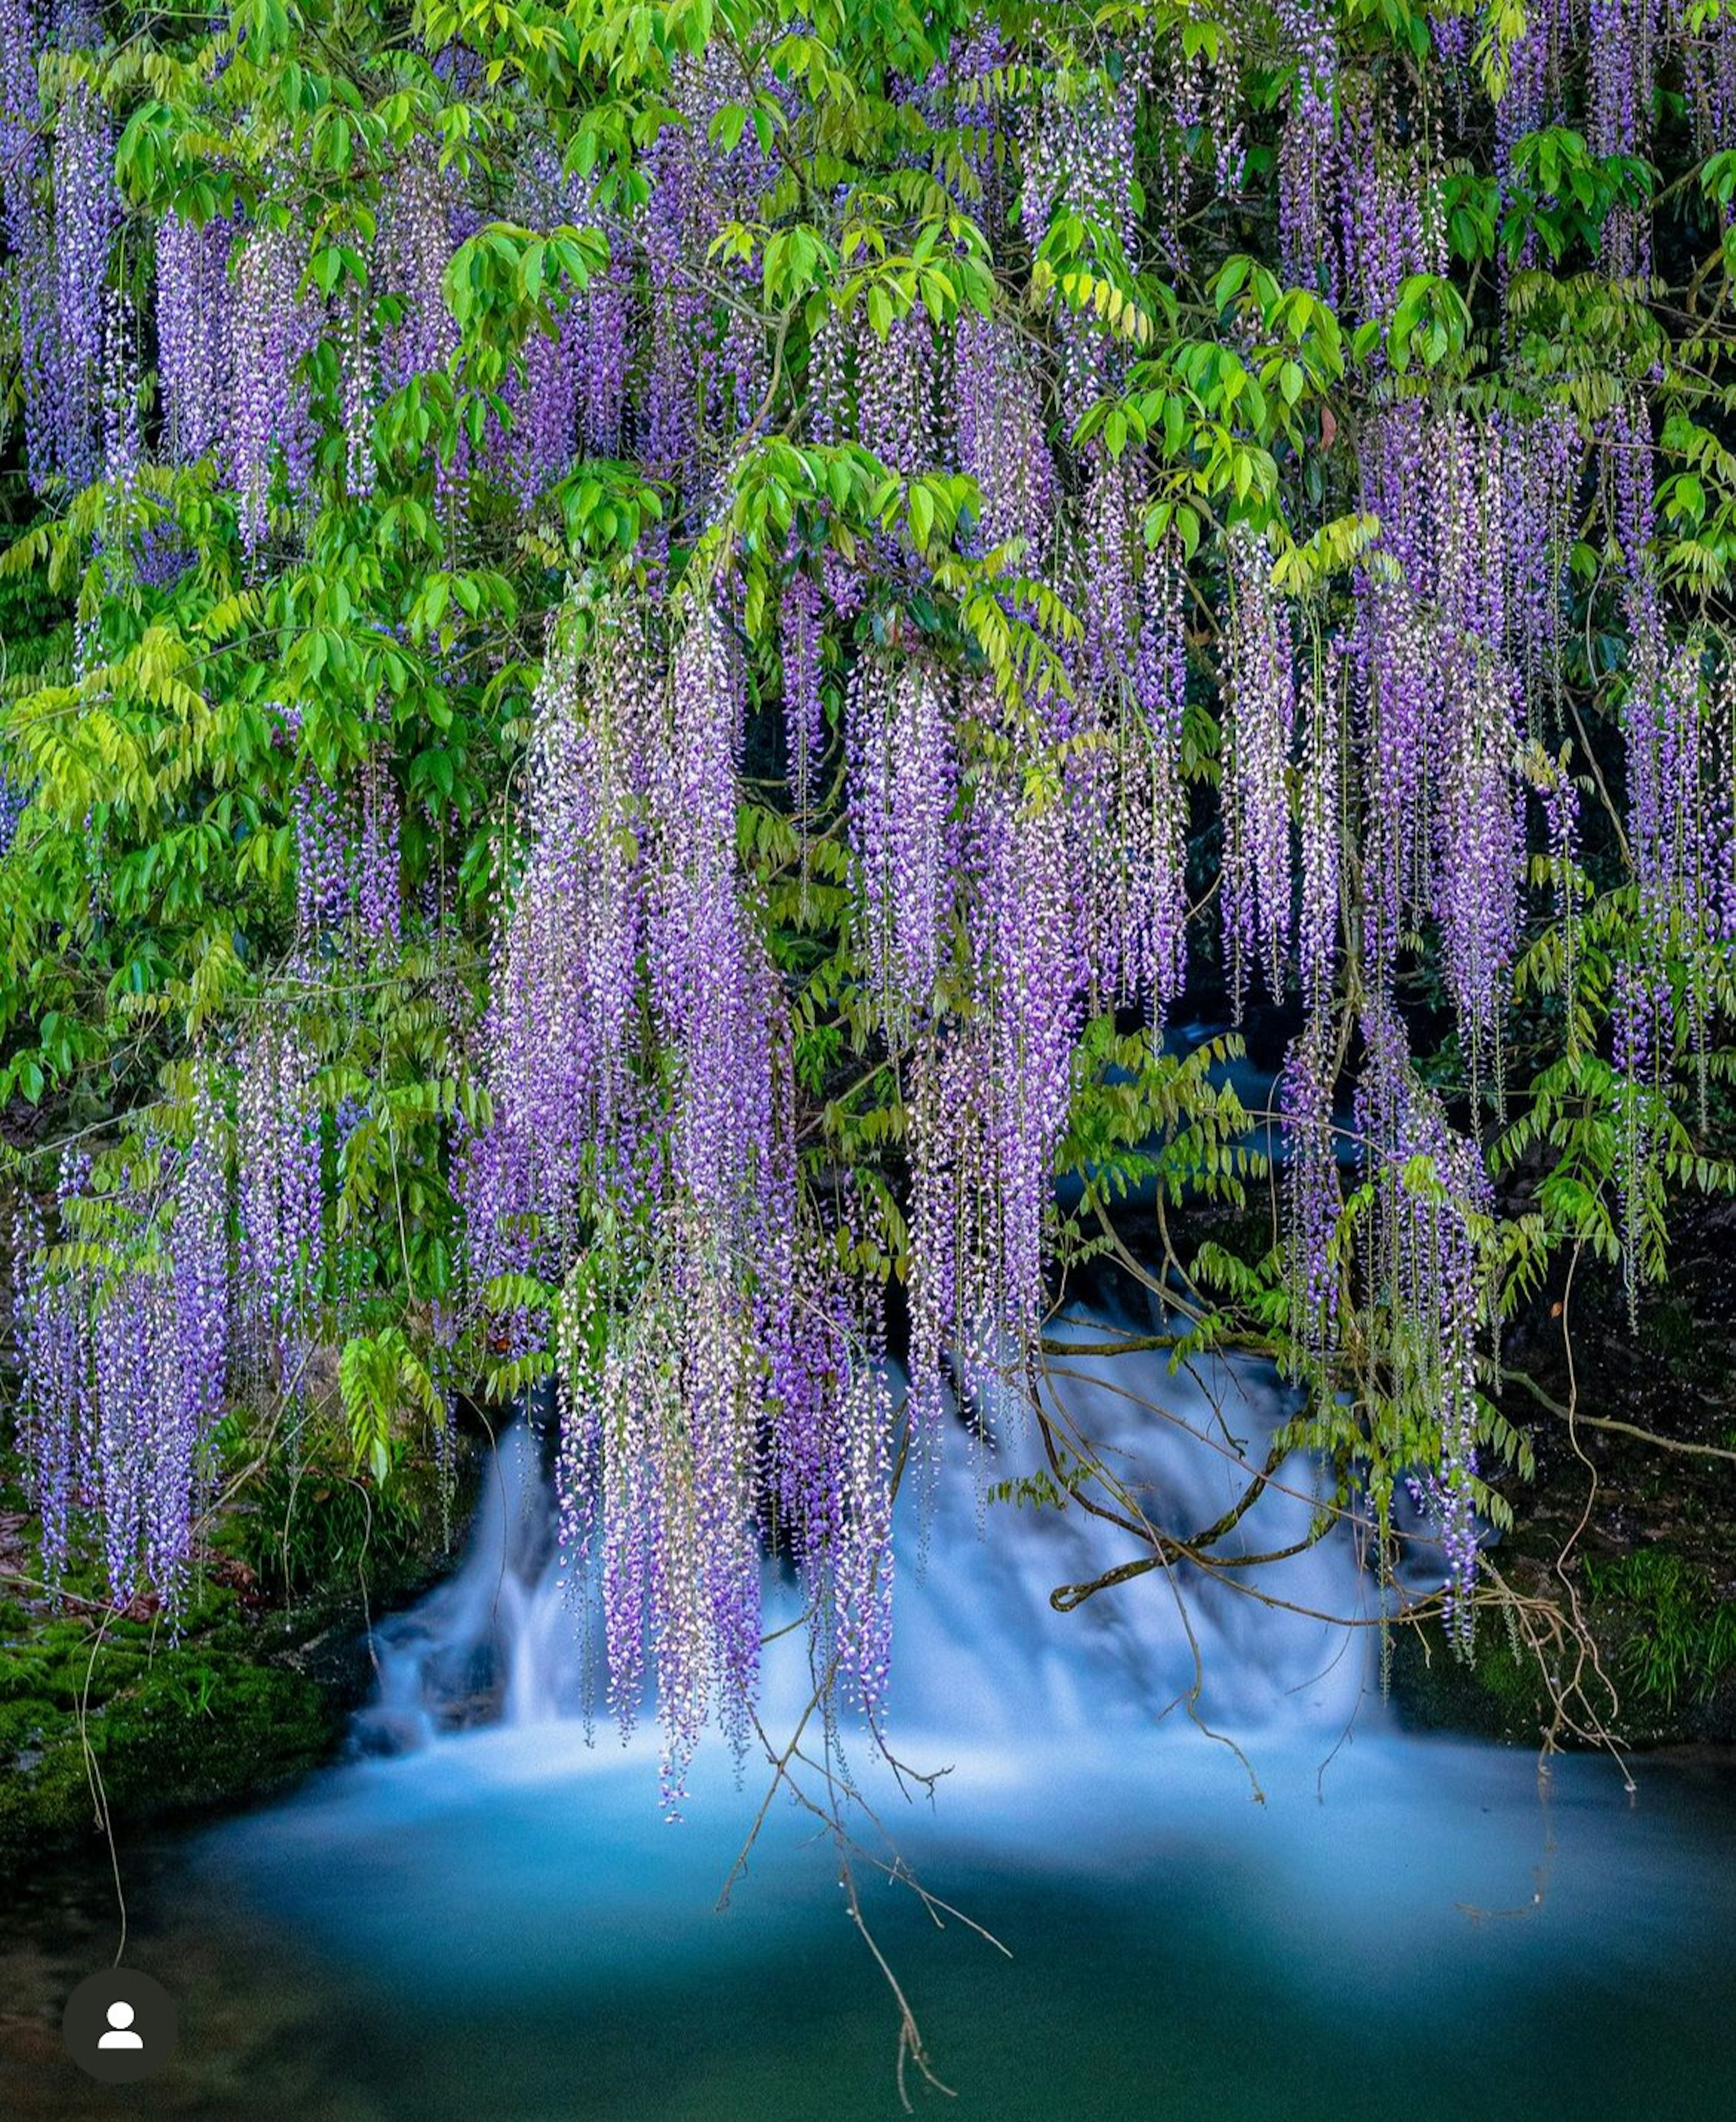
column 982, row 1658
column 1228, row 1883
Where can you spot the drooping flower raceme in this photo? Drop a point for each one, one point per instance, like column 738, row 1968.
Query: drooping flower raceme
column 1260, row 718
column 269, row 432
column 1431, row 1189
column 902, row 780
column 86, row 220
column 653, row 1179
column 124, row 1337
column 282, row 1202
column 193, row 332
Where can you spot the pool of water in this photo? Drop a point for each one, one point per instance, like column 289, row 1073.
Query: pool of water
column 505, row 1927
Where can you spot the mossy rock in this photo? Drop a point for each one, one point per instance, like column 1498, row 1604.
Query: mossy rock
column 251, row 1689
column 1496, row 1693
column 1669, row 1639
column 211, row 1730
column 54, row 1663
column 1667, row 1649
column 192, row 1731
column 24, row 1721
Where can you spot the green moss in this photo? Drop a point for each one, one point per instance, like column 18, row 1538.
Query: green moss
column 180, row 1731
column 1666, row 1641
column 24, row 1720
column 211, row 1731
column 1672, row 1638
column 253, row 1688
column 46, row 1806
column 1498, row 1693
column 57, row 1664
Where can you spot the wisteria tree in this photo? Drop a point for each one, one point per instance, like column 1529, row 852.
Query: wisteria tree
column 668, row 636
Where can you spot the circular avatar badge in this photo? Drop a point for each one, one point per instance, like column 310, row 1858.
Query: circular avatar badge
column 119, row 2025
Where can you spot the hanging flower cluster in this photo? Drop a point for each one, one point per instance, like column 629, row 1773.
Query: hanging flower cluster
column 1078, row 161
column 268, row 432
column 1314, row 1197
column 902, row 777
column 1471, row 597
column 1681, row 743
column 1308, row 160
column 1260, row 731
column 990, row 1098
column 348, row 867
column 281, row 1203
column 999, row 430
column 1384, row 237
column 124, row 1339
column 642, row 1155
column 801, row 654
column 1424, row 1264
column 1153, row 916
column 194, row 1269
column 62, row 252
column 13, row 800
column 193, row 332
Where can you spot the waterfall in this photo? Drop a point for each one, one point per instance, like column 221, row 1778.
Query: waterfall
column 980, row 1656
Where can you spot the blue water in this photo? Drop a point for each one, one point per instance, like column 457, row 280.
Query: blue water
column 521, row 1936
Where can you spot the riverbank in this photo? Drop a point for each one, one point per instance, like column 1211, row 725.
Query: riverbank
column 1635, row 1445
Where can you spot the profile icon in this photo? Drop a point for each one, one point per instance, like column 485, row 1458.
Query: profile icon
column 120, row 2034
column 119, row 2025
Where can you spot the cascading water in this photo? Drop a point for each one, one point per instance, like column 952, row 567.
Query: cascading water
column 981, row 1657
column 498, row 1641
